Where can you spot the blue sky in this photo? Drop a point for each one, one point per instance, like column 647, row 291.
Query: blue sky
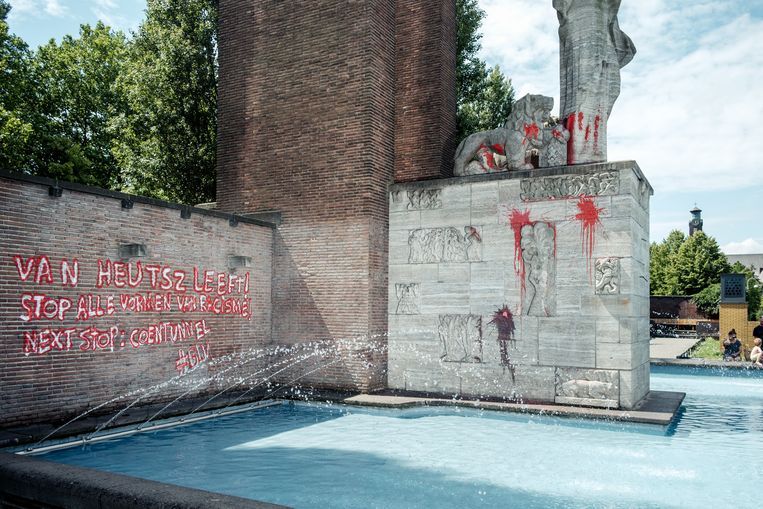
column 690, row 111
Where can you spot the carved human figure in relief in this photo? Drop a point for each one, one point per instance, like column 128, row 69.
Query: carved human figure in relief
column 508, row 147
column 593, row 49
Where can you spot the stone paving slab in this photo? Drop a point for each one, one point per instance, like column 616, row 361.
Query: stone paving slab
column 670, row 348
column 659, row 407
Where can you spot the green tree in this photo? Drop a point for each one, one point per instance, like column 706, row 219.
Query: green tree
column 484, row 97
column 662, row 264
column 15, row 127
column 167, row 143
column 77, row 98
column 698, row 264
column 708, row 301
column 753, row 289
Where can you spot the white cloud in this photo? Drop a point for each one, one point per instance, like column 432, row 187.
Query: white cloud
column 21, row 7
column 693, row 123
column 689, row 111
column 747, row 246
column 54, row 8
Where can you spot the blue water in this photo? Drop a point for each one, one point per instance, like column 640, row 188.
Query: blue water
column 310, row 455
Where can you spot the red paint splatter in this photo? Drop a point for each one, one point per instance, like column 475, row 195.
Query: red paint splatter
column 587, row 132
column 473, row 233
column 531, row 131
column 580, row 120
column 517, row 220
column 596, row 122
column 503, row 320
column 588, row 216
column 570, row 142
column 556, row 133
column 498, row 148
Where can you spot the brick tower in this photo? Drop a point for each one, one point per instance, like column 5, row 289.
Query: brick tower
column 321, row 105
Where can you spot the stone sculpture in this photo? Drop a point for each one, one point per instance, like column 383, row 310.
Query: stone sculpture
column 407, row 298
column 460, row 338
column 593, row 49
column 537, row 244
column 435, row 245
column 607, row 276
column 600, row 387
column 508, row 147
column 570, row 186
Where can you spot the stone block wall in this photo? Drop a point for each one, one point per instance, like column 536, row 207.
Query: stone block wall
column 565, row 250
column 106, row 298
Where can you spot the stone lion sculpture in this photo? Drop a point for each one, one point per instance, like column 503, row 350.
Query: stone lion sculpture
column 508, row 147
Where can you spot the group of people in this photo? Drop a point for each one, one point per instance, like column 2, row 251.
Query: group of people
column 732, row 346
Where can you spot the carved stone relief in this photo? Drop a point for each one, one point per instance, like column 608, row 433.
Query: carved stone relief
column 607, row 276
column 537, row 244
column 568, row 186
column 434, row 245
column 424, row 199
column 598, row 387
column 460, row 338
column 407, row 299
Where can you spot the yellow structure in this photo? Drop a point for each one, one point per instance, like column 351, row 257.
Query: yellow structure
column 734, row 316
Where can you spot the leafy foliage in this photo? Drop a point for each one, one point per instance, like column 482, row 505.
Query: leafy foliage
column 76, row 101
column 699, row 263
column 137, row 113
column 708, row 300
column 168, row 136
column 753, row 290
column 484, row 97
column 662, row 256
column 15, row 128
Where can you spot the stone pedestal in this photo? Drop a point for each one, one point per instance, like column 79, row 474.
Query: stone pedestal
column 565, row 250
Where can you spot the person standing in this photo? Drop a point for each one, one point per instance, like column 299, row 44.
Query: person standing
column 757, row 332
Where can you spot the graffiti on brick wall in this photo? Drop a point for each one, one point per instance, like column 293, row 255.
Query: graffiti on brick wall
column 73, row 322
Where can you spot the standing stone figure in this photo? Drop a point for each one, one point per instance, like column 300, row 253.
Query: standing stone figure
column 593, row 49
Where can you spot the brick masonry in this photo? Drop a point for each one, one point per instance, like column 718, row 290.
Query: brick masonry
column 734, row 316
column 45, row 378
column 460, row 250
column 320, row 106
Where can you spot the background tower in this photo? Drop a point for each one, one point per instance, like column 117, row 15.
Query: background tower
column 695, row 225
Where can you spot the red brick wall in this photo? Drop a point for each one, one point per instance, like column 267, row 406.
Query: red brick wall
column 307, row 105
column 306, row 115
column 425, row 122
column 51, row 380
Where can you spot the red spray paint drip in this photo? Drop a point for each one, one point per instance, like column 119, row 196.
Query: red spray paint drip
column 570, row 142
column 596, row 122
column 503, row 320
column 587, row 132
column 517, row 220
column 580, row 120
column 588, row 216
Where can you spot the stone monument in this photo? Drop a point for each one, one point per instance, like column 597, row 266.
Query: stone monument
column 592, row 51
column 527, row 278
